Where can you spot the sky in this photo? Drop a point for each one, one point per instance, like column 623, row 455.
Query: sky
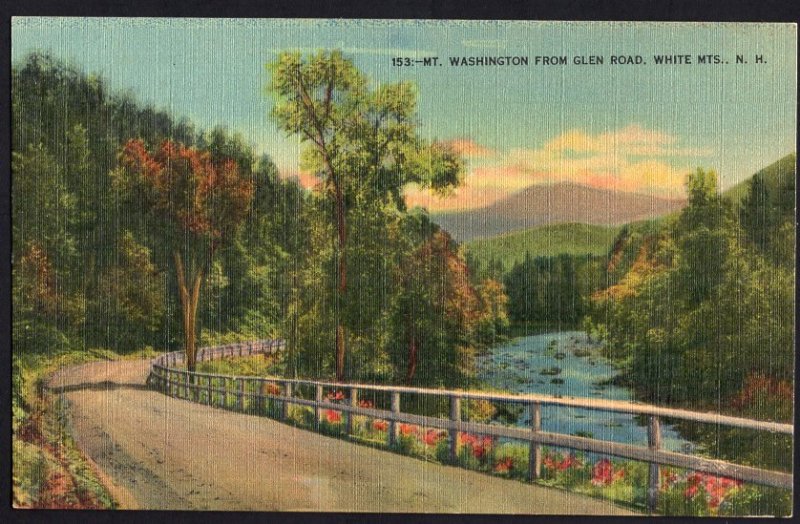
column 632, row 127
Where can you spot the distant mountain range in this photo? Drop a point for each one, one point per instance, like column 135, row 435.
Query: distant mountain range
column 553, row 204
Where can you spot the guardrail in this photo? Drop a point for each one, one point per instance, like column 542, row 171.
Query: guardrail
column 200, row 388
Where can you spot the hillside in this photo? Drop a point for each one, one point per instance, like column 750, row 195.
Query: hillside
column 554, row 239
column 541, row 205
column 774, row 174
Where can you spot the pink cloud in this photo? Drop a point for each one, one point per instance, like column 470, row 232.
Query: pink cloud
column 469, row 148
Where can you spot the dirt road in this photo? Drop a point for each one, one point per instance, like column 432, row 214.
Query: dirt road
column 164, row 453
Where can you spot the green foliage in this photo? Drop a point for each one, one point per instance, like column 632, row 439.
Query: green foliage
column 357, row 282
column 553, row 289
column 257, row 365
column 499, row 254
column 89, row 270
column 704, row 317
column 767, row 211
column 781, row 172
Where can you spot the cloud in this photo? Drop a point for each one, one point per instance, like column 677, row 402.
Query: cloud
column 633, row 140
column 468, row 148
column 631, row 159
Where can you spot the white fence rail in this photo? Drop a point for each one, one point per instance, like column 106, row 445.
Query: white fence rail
column 206, row 387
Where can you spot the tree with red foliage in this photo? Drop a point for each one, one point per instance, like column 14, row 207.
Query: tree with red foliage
column 438, row 311
column 197, row 203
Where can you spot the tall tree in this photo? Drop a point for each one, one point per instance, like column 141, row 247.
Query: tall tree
column 363, row 144
column 198, row 203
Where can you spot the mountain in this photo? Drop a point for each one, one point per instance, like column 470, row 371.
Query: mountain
column 540, row 205
column 553, row 239
column 775, row 175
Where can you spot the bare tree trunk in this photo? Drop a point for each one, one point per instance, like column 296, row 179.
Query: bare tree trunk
column 189, row 309
column 342, row 288
column 412, row 360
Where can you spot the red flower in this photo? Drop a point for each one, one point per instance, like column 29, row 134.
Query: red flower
column 690, row 492
column 335, row 395
column 272, row 389
column 407, row 429
column 478, row 445
column 668, row 478
column 568, row 462
column 333, row 416
column 365, row 404
column 603, row 473
column 380, row 425
column 431, row 437
column 504, row 466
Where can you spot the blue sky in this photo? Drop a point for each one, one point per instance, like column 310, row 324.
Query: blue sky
column 628, row 127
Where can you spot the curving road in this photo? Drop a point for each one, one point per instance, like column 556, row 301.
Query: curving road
column 157, row 452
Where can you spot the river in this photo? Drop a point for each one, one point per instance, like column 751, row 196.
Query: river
column 568, row 364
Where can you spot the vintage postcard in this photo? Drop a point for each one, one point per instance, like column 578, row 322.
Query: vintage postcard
column 396, row 266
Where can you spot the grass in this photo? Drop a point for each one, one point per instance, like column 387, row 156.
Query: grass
column 48, row 469
column 554, row 239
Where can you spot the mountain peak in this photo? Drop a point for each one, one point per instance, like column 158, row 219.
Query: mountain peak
column 557, row 203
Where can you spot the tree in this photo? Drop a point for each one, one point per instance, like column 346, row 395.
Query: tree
column 198, row 203
column 437, row 313
column 362, row 143
column 701, row 236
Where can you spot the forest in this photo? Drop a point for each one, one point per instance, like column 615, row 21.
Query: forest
column 132, row 230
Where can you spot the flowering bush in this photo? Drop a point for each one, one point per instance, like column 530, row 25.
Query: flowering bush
column 407, row 430
column 505, row 465
column 603, row 473
column 380, row 425
column 365, row 404
column 335, row 396
column 271, row 389
column 562, row 462
column 432, row 437
column 477, row 445
column 694, row 493
column 333, row 417
column 565, row 470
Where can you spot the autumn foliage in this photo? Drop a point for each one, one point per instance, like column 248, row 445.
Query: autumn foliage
column 202, row 200
column 200, row 196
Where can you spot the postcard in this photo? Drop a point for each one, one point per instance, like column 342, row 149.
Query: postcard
column 392, row 266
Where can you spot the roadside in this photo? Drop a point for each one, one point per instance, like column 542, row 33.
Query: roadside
column 173, row 454
column 49, row 469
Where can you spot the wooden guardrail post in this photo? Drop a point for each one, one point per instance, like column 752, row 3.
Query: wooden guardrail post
column 353, row 403
column 195, row 388
column 654, row 443
column 225, row 386
column 317, row 410
column 169, row 382
column 455, row 416
column 393, row 428
column 262, row 390
column 239, row 394
column 285, row 408
column 535, row 453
